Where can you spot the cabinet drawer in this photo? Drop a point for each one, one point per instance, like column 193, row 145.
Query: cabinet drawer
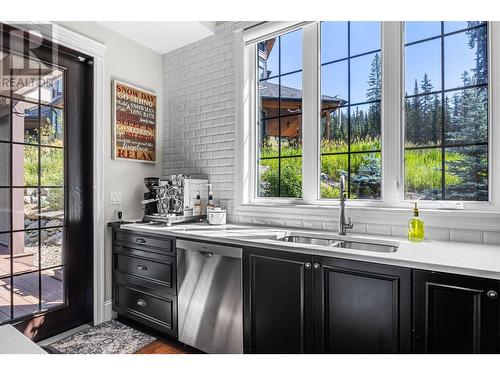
column 140, row 241
column 160, row 272
column 158, row 312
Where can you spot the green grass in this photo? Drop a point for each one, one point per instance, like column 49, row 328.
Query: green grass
column 422, row 167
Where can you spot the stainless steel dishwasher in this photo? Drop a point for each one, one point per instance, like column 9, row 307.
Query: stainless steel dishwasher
column 209, row 298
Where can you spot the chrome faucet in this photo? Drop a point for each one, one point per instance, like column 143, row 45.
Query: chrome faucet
column 343, row 225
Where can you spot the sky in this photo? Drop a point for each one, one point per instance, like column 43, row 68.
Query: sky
column 420, row 58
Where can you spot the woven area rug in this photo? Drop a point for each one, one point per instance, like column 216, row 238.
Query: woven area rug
column 110, row 337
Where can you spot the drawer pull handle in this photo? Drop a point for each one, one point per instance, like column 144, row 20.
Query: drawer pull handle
column 142, row 268
column 140, row 240
column 492, row 294
column 141, row 302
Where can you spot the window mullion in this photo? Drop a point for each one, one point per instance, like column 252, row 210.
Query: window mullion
column 310, row 113
column 392, row 119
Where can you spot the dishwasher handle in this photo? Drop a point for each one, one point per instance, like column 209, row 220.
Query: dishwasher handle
column 209, row 250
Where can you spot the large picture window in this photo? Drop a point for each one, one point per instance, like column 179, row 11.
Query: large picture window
column 280, row 116
column 350, row 108
column 401, row 109
column 446, row 111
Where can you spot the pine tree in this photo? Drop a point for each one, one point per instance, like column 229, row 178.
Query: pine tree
column 469, row 124
column 374, row 93
column 414, row 117
column 426, row 128
column 374, row 90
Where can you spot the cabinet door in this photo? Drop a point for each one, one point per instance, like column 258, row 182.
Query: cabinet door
column 277, row 294
column 455, row 314
column 361, row 307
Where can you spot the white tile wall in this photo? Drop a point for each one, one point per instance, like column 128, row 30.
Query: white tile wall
column 199, row 126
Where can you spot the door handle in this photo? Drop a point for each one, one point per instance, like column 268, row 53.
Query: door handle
column 317, row 266
column 142, row 268
column 307, row 265
column 492, row 294
column 140, row 240
column 141, row 302
column 207, row 253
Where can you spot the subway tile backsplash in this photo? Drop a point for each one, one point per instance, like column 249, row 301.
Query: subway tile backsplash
column 199, row 134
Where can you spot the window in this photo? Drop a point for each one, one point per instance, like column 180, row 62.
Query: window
column 446, row 111
column 400, row 108
column 280, row 116
column 350, row 108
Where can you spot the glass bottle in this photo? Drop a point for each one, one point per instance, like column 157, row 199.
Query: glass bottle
column 415, row 227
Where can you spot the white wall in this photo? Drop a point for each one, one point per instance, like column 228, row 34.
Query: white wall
column 199, row 138
column 140, row 66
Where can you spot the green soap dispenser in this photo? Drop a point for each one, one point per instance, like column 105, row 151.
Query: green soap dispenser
column 415, row 227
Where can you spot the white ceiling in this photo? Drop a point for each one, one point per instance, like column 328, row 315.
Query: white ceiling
column 162, row 37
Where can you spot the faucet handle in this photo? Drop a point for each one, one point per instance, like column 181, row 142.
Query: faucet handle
column 349, row 223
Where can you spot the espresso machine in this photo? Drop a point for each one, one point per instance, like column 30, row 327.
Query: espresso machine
column 172, row 200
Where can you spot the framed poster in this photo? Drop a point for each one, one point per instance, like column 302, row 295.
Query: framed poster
column 134, row 123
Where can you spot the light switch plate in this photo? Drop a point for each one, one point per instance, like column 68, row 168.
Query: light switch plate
column 115, row 197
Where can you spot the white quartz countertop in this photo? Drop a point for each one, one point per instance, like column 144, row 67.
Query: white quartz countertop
column 454, row 257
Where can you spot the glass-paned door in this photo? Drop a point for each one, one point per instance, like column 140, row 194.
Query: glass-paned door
column 32, row 183
column 46, row 186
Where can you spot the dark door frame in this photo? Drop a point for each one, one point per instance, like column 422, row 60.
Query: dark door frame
column 79, row 159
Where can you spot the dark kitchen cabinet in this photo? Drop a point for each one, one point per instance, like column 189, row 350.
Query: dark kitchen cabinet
column 145, row 279
column 297, row 303
column 278, row 306
column 455, row 314
column 361, row 307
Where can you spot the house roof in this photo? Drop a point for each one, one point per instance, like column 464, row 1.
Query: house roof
column 272, row 90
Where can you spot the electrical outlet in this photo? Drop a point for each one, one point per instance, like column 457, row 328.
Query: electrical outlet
column 115, row 197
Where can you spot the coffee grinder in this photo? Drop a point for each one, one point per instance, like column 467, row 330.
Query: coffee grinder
column 151, row 184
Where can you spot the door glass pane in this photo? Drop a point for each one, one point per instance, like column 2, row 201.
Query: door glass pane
column 52, row 126
column 4, row 210
column 25, row 119
column 4, row 119
column 26, row 292
column 52, row 288
column 52, row 240
column 26, row 78
column 4, row 254
column 4, row 164
column 52, row 166
column 51, row 87
column 5, row 299
column 25, row 251
column 24, row 165
column 52, row 207
column 24, row 208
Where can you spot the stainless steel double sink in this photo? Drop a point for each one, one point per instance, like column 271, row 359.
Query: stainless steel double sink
column 335, row 242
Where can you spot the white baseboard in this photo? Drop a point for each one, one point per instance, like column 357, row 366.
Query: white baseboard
column 108, row 310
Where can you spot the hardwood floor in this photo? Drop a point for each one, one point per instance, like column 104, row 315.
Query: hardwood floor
column 163, row 346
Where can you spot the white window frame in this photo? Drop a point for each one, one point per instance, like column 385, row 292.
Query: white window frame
column 392, row 120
